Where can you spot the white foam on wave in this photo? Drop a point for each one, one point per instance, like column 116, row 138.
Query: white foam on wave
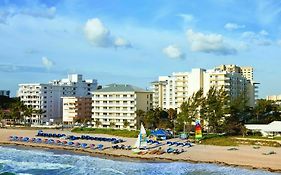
column 81, row 164
column 34, row 165
column 112, row 170
column 34, row 152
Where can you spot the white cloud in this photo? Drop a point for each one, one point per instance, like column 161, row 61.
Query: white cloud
column 257, row 38
column 233, row 26
column 100, row 36
column 209, row 43
column 40, row 12
column 263, row 32
column 47, row 62
column 174, row 52
column 121, row 42
column 186, row 17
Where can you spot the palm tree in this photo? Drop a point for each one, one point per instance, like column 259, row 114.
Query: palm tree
column 28, row 113
column 17, row 109
column 139, row 117
column 40, row 112
column 97, row 123
column 112, row 125
column 126, row 124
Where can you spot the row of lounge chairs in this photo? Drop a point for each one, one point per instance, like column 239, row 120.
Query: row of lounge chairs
column 83, row 137
column 175, row 151
column 104, row 139
column 153, row 142
column 188, row 144
column 123, row 147
column 42, row 134
column 56, row 142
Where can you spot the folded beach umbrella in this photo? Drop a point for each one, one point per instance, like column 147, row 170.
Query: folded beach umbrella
column 100, row 146
column 84, row 145
column 92, row 146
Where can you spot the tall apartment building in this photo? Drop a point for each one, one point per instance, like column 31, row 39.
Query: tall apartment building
column 245, row 71
column 76, row 108
column 5, row 93
column 47, row 96
column 117, row 103
column 171, row 91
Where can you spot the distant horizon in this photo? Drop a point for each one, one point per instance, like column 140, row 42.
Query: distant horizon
column 134, row 42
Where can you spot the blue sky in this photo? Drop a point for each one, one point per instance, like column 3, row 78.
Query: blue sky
column 134, row 42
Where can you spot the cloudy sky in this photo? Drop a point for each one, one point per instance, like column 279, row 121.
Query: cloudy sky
column 134, row 42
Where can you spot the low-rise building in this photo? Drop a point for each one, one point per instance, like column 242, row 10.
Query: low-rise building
column 5, row 93
column 76, row 109
column 115, row 105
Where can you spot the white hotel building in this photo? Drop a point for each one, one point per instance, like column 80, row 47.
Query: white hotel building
column 47, row 96
column 171, row 91
column 117, row 103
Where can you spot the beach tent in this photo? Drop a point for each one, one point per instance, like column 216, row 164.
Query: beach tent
column 160, row 134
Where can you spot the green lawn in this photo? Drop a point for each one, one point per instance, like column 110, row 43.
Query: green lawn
column 233, row 141
column 115, row 132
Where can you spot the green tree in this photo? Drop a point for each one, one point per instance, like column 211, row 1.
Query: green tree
column 140, row 114
column 97, row 123
column 126, row 124
column 189, row 111
column 17, row 110
column 266, row 111
column 215, row 108
column 112, row 124
column 28, row 112
column 238, row 114
column 40, row 112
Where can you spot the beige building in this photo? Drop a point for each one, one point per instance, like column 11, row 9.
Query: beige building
column 76, row 108
column 115, row 105
column 274, row 97
column 171, row 91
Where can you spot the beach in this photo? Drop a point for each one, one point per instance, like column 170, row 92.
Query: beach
column 245, row 155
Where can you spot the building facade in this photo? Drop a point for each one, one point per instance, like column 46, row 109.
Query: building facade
column 115, row 105
column 5, row 93
column 172, row 91
column 76, row 109
column 47, row 97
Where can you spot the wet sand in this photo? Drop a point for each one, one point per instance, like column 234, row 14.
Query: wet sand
column 246, row 156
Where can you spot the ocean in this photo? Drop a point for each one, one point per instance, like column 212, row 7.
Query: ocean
column 21, row 161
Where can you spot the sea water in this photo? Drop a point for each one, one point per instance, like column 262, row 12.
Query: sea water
column 44, row 162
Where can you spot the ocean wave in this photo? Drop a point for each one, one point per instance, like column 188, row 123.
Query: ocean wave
column 34, row 165
column 41, row 162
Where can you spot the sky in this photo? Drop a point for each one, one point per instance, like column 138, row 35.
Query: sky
column 134, row 42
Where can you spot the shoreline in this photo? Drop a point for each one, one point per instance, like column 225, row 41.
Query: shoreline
column 245, row 156
column 138, row 158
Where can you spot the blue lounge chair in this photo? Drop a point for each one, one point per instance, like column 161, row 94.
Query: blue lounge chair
column 25, row 139
column 84, row 145
column 70, row 143
column 100, row 147
column 38, row 140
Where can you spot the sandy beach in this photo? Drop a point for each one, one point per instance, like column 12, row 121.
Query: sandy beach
column 245, row 156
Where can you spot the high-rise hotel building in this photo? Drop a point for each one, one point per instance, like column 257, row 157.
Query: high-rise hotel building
column 171, row 91
column 47, row 96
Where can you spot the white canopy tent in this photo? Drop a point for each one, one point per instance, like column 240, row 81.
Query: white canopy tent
column 271, row 129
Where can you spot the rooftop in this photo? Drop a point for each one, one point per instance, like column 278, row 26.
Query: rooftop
column 121, row 88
